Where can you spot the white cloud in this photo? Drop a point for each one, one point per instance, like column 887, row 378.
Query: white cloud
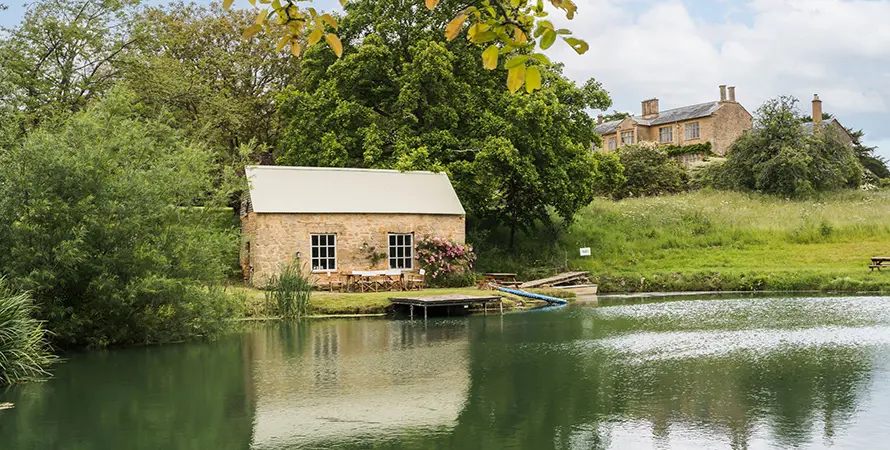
column 837, row 48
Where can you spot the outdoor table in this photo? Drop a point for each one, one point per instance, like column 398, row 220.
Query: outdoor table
column 879, row 262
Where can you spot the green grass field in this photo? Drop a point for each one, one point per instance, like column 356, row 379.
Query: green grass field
column 729, row 241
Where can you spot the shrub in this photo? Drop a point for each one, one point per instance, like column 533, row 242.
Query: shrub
column 111, row 221
column 445, row 261
column 289, row 292
column 24, row 352
column 650, row 171
column 778, row 157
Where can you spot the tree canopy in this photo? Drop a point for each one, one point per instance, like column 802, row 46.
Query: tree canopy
column 407, row 99
column 513, row 31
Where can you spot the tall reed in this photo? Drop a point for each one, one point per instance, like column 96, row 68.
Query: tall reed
column 24, row 351
column 289, row 292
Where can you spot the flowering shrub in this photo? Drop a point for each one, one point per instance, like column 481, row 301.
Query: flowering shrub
column 443, row 259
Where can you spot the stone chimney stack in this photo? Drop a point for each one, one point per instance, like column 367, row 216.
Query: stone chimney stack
column 722, row 92
column 817, row 115
column 650, row 108
column 600, row 119
column 732, row 94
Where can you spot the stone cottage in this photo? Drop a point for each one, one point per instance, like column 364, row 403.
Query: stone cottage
column 340, row 220
column 718, row 122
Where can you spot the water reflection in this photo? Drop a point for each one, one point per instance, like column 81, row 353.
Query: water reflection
column 752, row 373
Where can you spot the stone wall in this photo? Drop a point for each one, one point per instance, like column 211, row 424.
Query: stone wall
column 272, row 239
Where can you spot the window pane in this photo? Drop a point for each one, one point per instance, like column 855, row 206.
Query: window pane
column 392, row 263
column 314, row 239
column 400, row 252
column 392, row 239
column 408, row 239
column 332, row 251
column 323, row 252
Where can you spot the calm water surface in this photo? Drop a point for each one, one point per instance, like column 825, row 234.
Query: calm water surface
column 676, row 374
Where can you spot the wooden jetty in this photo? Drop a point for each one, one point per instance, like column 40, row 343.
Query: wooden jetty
column 557, row 280
column 446, row 301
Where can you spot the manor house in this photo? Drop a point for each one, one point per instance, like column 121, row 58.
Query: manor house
column 718, row 122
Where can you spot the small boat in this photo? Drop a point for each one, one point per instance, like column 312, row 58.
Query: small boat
column 580, row 289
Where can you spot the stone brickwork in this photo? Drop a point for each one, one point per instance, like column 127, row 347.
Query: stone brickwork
column 273, row 239
column 729, row 123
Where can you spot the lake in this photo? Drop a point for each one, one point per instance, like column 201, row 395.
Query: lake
column 678, row 373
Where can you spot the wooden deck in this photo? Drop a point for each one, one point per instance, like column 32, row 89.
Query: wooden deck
column 562, row 278
column 447, row 300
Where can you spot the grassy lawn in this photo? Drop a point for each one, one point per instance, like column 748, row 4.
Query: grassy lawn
column 731, row 241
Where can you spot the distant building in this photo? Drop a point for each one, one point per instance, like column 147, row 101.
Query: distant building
column 718, row 122
column 335, row 220
column 830, row 127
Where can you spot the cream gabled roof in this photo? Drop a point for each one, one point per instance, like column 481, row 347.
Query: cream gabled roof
column 279, row 189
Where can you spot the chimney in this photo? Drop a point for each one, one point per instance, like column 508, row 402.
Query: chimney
column 817, row 115
column 732, row 94
column 600, row 119
column 650, row 108
column 722, row 92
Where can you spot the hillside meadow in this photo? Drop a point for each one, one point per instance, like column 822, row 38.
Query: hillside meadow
column 710, row 240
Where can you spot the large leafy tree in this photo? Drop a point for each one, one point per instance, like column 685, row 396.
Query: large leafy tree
column 99, row 220
column 406, row 98
column 190, row 61
column 62, row 55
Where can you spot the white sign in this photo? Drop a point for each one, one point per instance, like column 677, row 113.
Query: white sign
column 585, row 251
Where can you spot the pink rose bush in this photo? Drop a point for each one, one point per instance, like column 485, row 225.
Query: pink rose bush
column 443, row 258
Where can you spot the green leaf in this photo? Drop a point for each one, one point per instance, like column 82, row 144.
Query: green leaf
column 490, row 57
column 227, row 4
column 548, row 39
column 315, row 36
column 282, row 43
column 484, row 37
column 431, row 4
column 262, row 17
column 515, row 61
column 541, row 58
column 532, row 79
column 578, row 45
column 515, row 78
column 251, row 31
column 335, row 44
column 328, row 19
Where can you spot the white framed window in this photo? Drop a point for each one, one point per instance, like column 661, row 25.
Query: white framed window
column 627, row 138
column 324, row 252
column 693, row 131
column 401, row 251
column 666, row 134
column 613, row 143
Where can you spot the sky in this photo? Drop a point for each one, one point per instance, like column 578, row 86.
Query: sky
column 680, row 51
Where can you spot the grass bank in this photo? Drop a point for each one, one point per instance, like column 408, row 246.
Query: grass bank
column 337, row 304
column 710, row 240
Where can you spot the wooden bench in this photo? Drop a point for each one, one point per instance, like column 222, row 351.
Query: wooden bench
column 879, row 262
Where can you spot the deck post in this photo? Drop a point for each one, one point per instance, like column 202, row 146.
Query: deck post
column 412, row 312
column 485, row 309
column 501, row 302
column 424, row 313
